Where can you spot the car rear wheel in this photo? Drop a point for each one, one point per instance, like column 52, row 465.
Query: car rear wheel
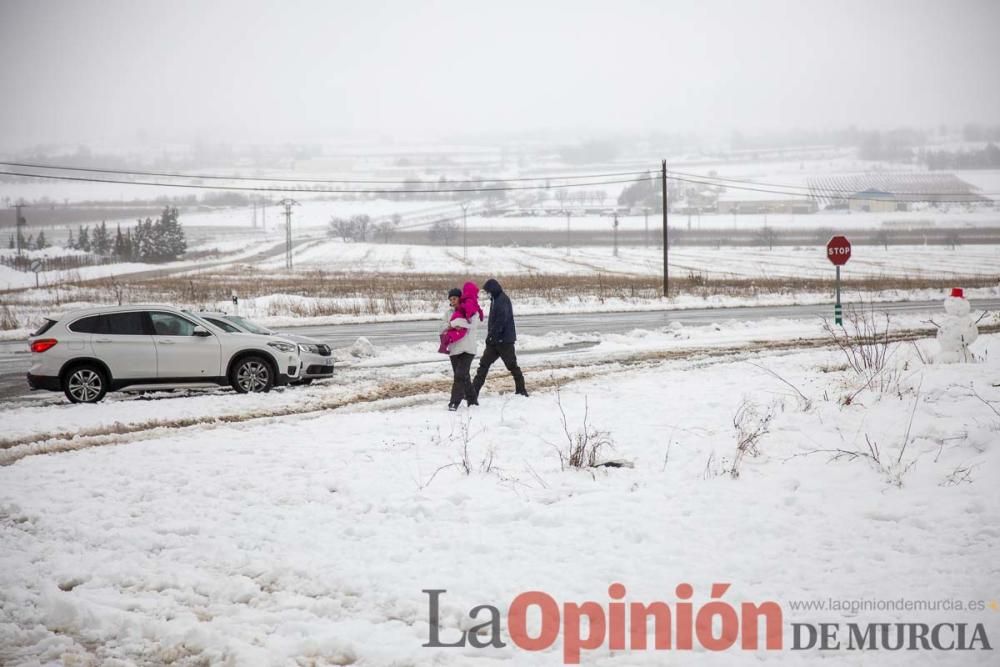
column 85, row 384
column 251, row 375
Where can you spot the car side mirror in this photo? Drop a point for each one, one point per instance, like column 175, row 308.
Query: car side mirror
column 201, row 331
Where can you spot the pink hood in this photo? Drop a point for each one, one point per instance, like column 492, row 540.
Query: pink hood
column 470, row 300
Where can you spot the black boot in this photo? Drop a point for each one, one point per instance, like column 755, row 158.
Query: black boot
column 519, row 383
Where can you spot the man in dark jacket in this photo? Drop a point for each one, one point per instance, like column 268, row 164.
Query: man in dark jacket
column 500, row 339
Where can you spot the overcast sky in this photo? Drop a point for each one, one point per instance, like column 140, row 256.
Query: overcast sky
column 263, row 71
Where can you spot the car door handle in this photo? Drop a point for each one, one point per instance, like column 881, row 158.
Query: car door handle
column 166, row 342
column 103, row 340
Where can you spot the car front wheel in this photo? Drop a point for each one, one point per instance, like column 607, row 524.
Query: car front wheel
column 251, row 375
column 85, row 384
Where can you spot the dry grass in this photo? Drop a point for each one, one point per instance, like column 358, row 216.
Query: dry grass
column 344, row 293
column 584, row 445
column 8, row 319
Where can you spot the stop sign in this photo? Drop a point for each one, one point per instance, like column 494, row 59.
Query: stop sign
column 838, row 250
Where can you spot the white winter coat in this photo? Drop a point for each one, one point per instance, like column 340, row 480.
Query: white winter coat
column 468, row 342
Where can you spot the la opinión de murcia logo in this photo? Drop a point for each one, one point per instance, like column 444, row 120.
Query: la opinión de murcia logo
column 715, row 625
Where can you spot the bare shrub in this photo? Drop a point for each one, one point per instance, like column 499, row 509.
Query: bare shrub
column 804, row 401
column 462, row 440
column 962, row 474
column 751, row 424
column 892, row 471
column 8, row 320
column 867, row 345
column 583, row 446
column 117, row 290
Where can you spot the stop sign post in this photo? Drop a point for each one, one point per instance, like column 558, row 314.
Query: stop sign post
column 838, row 251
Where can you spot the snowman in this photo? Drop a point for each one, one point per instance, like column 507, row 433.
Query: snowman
column 957, row 332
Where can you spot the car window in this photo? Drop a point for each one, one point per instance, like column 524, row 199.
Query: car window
column 222, row 324
column 45, row 327
column 250, row 326
column 168, row 324
column 92, row 324
column 127, row 324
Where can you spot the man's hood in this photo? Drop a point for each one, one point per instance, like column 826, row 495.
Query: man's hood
column 493, row 287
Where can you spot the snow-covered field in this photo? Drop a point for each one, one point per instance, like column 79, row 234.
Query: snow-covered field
column 954, row 216
column 802, row 262
column 309, row 537
column 232, row 252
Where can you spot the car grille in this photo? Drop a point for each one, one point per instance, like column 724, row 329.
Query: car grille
column 324, row 350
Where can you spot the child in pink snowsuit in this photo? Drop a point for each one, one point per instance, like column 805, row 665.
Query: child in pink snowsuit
column 468, row 306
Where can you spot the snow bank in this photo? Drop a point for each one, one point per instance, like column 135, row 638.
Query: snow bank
column 311, row 540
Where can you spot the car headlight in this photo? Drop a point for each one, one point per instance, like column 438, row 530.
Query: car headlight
column 305, row 347
column 284, row 347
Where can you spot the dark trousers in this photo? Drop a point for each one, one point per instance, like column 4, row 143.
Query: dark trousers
column 505, row 352
column 461, row 386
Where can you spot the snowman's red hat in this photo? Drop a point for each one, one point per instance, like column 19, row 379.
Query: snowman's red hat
column 958, row 292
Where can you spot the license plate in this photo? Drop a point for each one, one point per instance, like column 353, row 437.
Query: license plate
column 328, row 362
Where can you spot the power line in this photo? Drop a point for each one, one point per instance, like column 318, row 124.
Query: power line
column 908, row 199
column 281, row 179
column 547, row 186
column 819, row 191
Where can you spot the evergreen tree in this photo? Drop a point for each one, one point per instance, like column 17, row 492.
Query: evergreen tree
column 645, row 191
column 83, row 240
column 30, row 243
column 171, row 243
column 12, row 244
column 142, row 248
column 119, row 247
column 71, row 242
column 41, row 243
column 101, row 242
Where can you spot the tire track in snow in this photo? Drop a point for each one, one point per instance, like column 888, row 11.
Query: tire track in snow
column 394, row 394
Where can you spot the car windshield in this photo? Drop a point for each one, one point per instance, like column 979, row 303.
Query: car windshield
column 222, row 324
column 246, row 324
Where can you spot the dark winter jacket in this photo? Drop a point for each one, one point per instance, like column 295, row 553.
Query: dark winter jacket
column 500, row 328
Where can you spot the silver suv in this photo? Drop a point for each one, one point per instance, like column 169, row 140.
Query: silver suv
column 86, row 353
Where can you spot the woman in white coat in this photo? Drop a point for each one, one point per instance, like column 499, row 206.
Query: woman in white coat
column 461, row 352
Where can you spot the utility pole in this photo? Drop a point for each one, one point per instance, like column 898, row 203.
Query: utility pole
column 255, row 213
column 19, row 223
column 288, row 204
column 263, row 215
column 567, row 234
column 666, row 240
column 616, row 234
column 465, row 232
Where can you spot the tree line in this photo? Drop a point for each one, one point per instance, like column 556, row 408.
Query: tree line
column 986, row 158
column 159, row 240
